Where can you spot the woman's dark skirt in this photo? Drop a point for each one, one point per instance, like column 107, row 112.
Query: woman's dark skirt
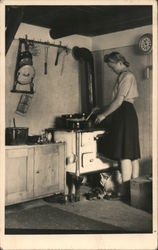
column 122, row 138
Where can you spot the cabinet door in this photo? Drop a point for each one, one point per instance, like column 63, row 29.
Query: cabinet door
column 19, row 175
column 46, row 172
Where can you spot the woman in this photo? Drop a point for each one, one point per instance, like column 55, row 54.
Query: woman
column 122, row 142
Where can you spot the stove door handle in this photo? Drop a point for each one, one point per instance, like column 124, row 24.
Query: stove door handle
column 97, row 137
column 101, row 135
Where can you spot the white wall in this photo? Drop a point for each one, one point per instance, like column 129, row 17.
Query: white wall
column 125, row 43
column 56, row 93
column 42, row 34
column 119, row 39
column 107, row 41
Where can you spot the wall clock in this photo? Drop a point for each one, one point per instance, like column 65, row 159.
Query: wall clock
column 145, row 43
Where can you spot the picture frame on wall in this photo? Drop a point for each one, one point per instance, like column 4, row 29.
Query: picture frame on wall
column 24, row 104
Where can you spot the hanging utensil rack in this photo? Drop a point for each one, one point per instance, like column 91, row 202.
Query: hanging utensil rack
column 44, row 43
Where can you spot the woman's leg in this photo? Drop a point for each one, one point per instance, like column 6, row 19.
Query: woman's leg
column 135, row 168
column 126, row 170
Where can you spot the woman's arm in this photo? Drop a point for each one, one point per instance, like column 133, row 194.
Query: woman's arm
column 111, row 108
column 116, row 103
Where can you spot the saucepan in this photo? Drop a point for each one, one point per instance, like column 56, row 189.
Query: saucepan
column 81, row 122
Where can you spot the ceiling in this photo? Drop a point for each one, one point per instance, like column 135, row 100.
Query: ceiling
column 87, row 20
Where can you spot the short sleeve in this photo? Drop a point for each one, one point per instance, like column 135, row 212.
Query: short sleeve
column 125, row 84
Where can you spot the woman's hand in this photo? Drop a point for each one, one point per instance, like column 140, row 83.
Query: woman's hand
column 100, row 118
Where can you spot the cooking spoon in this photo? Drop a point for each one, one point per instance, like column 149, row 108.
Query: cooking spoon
column 93, row 110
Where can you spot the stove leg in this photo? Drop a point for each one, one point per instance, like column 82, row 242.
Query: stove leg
column 77, row 181
column 73, row 180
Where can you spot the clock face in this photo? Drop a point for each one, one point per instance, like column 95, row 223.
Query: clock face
column 145, row 43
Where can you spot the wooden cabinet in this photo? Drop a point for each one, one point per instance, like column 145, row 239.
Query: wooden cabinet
column 49, row 175
column 19, row 175
column 34, row 171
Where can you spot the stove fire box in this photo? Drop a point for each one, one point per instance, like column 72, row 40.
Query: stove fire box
column 141, row 193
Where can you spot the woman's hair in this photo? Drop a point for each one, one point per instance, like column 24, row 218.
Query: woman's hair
column 116, row 57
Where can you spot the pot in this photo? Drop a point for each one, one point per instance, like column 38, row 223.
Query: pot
column 78, row 123
column 61, row 122
column 16, row 135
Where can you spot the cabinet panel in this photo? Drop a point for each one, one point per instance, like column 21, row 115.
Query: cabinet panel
column 34, row 172
column 46, row 171
column 19, row 175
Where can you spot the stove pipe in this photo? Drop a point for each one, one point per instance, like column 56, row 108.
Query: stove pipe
column 87, row 80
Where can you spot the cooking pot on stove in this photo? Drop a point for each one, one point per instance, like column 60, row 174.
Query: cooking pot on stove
column 79, row 123
column 61, row 122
